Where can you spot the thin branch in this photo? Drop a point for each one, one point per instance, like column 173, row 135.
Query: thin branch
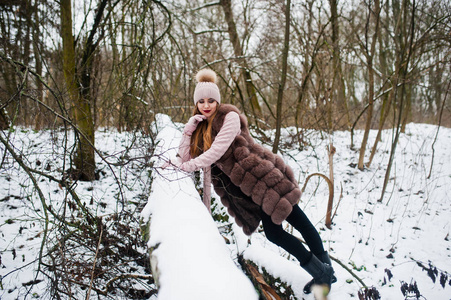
column 88, row 294
column 348, row 269
column 204, row 6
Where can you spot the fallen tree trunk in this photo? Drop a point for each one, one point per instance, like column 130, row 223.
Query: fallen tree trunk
column 266, row 284
column 189, row 258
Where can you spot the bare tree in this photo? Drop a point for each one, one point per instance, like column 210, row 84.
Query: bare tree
column 338, row 83
column 84, row 156
column 369, row 52
column 79, row 86
column 310, row 44
column 404, row 54
column 239, row 54
column 283, row 76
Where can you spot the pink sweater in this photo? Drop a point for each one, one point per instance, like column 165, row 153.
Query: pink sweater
column 229, row 130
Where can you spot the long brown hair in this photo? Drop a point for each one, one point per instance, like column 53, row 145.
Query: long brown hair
column 201, row 139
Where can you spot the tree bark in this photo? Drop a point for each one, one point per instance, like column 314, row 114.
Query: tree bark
column 26, row 10
column 338, row 84
column 283, row 77
column 39, row 119
column 370, row 60
column 387, row 96
column 84, row 159
column 9, row 80
column 238, row 51
column 403, row 60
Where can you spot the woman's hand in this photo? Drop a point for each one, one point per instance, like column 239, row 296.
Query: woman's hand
column 192, row 124
column 188, row 166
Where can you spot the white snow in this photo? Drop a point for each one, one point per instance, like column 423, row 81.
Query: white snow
column 410, row 225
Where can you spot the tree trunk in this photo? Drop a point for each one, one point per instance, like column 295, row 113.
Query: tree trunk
column 404, row 52
column 7, row 72
column 308, row 67
column 84, row 160
column 331, row 150
column 370, row 58
column 338, row 84
column 238, row 50
column 68, row 50
column 384, row 114
column 387, row 96
column 39, row 119
column 283, row 77
column 27, row 105
column 407, row 115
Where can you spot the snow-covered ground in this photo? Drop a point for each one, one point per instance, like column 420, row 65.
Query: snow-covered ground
column 404, row 239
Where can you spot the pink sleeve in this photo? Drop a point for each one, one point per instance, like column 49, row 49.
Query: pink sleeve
column 183, row 152
column 229, row 130
column 207, row 188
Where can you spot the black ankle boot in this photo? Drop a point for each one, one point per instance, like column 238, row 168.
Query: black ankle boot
column 325, row 259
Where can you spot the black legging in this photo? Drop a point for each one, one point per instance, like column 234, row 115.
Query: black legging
column 298, row 219
column 275, row 233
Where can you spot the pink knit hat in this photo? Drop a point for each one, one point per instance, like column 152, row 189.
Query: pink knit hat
column 206, row 86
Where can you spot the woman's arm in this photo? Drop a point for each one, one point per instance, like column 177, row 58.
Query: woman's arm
column 183, row 152
column 184, row 146
column 229, row 130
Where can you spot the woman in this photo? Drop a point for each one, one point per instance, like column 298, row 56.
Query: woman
column 253, row 183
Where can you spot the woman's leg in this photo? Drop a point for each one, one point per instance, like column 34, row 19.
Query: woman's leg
column 299, row 220
column 321, row 272
column 301, row 223
column 277, row 235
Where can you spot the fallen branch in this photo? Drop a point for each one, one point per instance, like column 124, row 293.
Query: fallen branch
column 349, row 270
column 331, row 197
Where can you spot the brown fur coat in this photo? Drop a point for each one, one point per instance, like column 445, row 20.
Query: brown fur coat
column 264, row 180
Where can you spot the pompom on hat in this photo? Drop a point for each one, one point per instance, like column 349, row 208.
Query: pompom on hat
column 206, row 86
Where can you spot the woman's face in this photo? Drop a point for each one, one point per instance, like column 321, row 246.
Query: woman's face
column 207, row 106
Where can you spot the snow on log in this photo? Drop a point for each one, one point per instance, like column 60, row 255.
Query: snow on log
column 189, row 258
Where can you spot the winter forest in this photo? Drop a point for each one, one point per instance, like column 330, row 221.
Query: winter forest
column 94, row 94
